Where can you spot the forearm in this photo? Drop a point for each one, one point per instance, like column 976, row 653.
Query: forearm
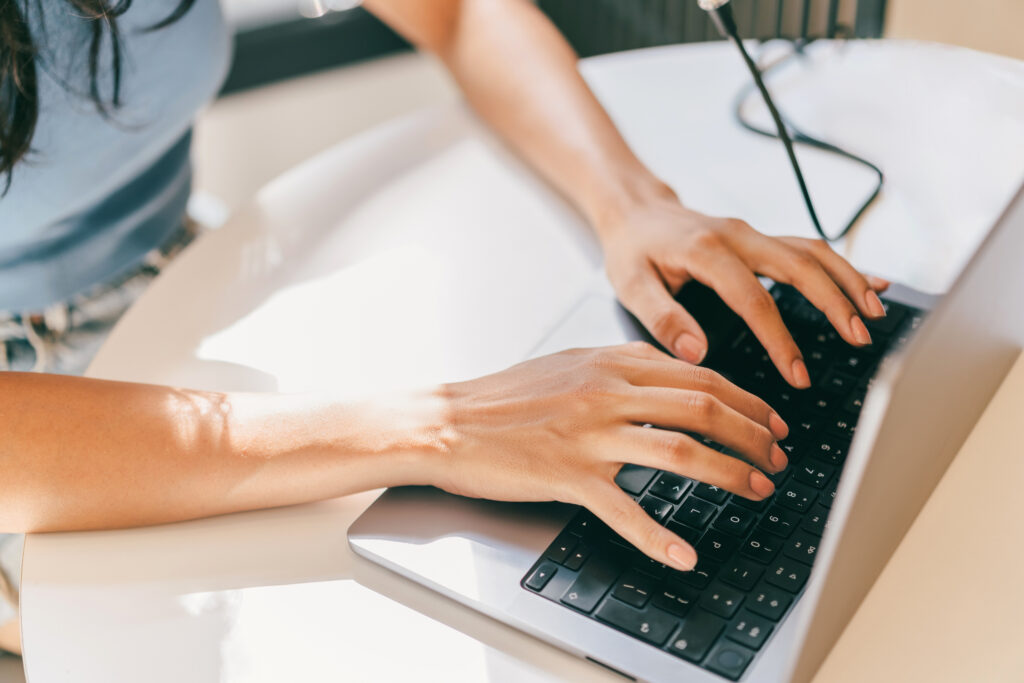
column 85, row 454
column 520, row 75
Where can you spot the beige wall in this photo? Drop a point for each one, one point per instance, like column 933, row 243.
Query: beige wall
column 989, row 25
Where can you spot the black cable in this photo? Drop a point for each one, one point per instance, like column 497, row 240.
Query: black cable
column 727, row 26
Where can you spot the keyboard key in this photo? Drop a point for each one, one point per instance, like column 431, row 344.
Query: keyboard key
column 591, row 584
column 755, row 505
column 788, row 575
column 735, row 520
column 780, row 521
column 670, row 486
column 540, row 576
column 828, row 449
column 830, row 494
column 887, row 325
column 856, row 362
column 843, row 427
column 784, row 401
column 729, row 659
column 561, row 547
column 761, row 546
column 797, row 497
column 814, row 474
column 721, row 599
column 769, row 602
column 698, row 632
column 822, row 404
column 742, row 573
column 577, row 557
column 633, row 588
column 711, row 493
column 806, row 426
column 651, row 625
column 749, row 629
column 701, row 575
column 817, row 520
column 657, row 508
column 716, row 545
column 855, row 403
column 634, row 478
column 586, row 525
column 675, row 598
column 838, row 382
column 694, row 512
column 687, row 533
column 642, row 563
column 803, row 547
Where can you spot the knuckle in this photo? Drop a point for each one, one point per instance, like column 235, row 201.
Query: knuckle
column 705, row 240
column 676, row 448
column 759, row 301
column 762, row 437
column 800, row 260
column 703, row 406
column 704, row 379
column 641, row 348
column 820, row 247
column 663, row 322
column 737, row 225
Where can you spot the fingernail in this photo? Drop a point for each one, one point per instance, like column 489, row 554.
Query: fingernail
column 780, row 430
column 689, row 348
column 684, row 558
column 800, row 376
column 761, row 485
column 878, row 282
column 778, row 458
column 874, row 304
column 860, row 333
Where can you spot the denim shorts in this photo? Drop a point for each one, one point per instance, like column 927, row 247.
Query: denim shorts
column 63, row 339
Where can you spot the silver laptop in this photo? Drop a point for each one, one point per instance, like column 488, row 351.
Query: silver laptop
column 777, row 582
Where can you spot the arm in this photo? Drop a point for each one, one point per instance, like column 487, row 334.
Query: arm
column 520, row 75
column 84, row 454
column 88, row 454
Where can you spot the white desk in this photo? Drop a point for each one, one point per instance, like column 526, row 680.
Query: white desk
column 423, row 244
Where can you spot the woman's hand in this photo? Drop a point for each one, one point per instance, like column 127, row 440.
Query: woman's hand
column 654, row 249
column 560, row 427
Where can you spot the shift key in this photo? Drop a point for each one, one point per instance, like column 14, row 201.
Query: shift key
column 592, row 583
column 652, row 625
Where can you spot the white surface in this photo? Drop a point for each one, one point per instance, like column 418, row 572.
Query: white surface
column 422, row 252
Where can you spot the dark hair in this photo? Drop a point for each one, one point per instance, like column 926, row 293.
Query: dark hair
column 19, row 91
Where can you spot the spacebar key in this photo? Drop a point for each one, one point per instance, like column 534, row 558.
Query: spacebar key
column 652, row 625
column 592, row 583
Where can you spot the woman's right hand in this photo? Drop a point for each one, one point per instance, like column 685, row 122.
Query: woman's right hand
column 560, row 427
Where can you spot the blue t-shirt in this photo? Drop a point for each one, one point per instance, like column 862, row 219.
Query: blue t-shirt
column 95, row 194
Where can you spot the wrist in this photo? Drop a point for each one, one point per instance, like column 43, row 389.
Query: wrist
column 609, row 213
column 407, row 437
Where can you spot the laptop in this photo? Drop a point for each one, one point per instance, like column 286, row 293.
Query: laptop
column 777, row 580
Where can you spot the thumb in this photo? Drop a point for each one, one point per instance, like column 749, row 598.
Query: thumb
column 650, row 301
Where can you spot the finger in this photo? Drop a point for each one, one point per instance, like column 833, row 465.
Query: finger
column 627, row 519
column 858, row 287
column 797, row 267
column 733, row 280
column 877, row 283
column 695, row 411
column 678, row 453
column 666, row 372
column 649, row 300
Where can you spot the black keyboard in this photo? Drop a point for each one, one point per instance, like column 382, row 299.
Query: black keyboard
column 754, row 557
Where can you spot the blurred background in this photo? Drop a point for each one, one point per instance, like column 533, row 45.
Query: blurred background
column 308, row 73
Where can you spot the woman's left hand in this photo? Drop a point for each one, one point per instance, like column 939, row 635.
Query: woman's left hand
column 654, row 249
